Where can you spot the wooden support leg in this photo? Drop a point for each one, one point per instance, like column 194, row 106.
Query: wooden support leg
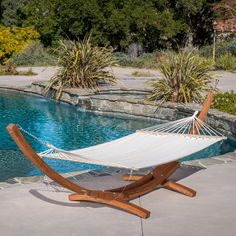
column 167, row 184
column 120, row 204
column 179, row 188
column 132, row 177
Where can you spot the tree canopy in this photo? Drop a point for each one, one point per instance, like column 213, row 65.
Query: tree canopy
column 153, row 24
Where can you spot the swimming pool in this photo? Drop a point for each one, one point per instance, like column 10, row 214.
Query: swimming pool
column 66, row 127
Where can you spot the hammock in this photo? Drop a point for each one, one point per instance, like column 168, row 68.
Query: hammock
column 155, row 145
column 148, row 147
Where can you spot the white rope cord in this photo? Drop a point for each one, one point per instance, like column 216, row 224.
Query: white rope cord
column 49, row 182
column 46, row 180
column 183, row 126
column 170, row 126
column 58, row 188
column 207, row 127
column 45, row 143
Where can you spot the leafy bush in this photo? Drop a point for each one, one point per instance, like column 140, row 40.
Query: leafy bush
column 185, row 78
column 13, row 40
column 82, row 66
column 147, row 60
column 221, row 49
column 206, row 61
column 225, row 102
column 226, row 62
column 34, row 54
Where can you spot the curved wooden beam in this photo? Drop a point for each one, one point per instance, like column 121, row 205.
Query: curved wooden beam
column 167, row 183
column 82, row 194
column 160, row 173
column 29, row 152
column 179, row 188
column 132, row 177
column 118, row 203
column 203, row 113
column 114, row 197
column 206, row 106
column 47, row 170
column 38, row 162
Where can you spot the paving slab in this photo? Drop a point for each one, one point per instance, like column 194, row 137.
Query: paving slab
column 227, row 80
column 212, row 212
column 34, row 210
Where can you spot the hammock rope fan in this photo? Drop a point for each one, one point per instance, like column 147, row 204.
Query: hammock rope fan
column 161, row 146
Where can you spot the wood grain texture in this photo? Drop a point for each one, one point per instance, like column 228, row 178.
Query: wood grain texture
column 132, row 177
column 203, row 113
column 179, row 188
column 120, row 204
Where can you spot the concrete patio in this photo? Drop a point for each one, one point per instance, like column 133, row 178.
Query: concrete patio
column 227, row 80
column 34, row 209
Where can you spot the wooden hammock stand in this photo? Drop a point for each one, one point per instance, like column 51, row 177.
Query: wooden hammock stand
column 118, row 197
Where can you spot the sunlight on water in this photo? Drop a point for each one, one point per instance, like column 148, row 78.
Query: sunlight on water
column 64, row 126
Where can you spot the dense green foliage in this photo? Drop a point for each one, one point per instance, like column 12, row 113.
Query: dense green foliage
column 34, row 54
column 225, row 54
column 14, row 39
column 138, row 29
column 226, row 62
column 11, row 12
column 225, row 102
column 82, row 66
column 185, row 77
column 151, row 60
column 147, row 60
column 222, row 48
column 150, row 24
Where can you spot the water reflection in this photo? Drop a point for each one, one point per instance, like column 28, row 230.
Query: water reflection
column 63, row 125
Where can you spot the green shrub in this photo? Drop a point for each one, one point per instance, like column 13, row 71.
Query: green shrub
column 124, row 59
column 34, row 54
column 221, row 49
column 82, row 66
column 225, row 102
column 226, row 62
column 13, row 40
column 231, row 48
column 185, row 78
column 147, row 60
column 206, row 61
column 206, row 51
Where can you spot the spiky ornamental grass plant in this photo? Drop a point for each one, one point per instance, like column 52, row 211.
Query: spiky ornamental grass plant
column 82, row 65
column 185, row 78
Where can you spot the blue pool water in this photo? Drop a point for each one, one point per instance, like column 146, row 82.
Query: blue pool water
column 64, row 126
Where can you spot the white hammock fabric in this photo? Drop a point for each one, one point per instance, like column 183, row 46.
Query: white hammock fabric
column 148, row 147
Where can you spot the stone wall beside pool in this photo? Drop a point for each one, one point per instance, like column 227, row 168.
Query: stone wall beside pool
column 133, row 103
